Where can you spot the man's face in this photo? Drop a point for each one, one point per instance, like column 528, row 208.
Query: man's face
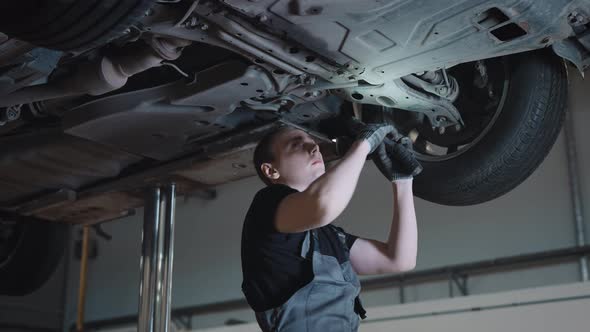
column 297, row 159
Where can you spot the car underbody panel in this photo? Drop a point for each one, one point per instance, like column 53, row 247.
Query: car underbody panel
column 63, row 178
column 374, row 41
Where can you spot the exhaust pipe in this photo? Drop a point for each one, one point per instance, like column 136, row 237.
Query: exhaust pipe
column 104, row 75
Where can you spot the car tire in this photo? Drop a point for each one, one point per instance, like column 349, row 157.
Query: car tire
column 515, row 146
column 35, row 251
column 70, row 25
column 507, row 153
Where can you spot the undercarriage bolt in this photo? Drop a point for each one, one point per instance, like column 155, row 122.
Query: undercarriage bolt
column 191, row 22
column 441, row 119
column 10, row 114
column 441, row 130
column 204, row 27
column 457, row 127
column 262, row 18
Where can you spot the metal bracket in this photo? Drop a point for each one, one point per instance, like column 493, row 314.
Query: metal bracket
column 398, row 94
column 460, row 280
column 574, row 52
column 184, row 321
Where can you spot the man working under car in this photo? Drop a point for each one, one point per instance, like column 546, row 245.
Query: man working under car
column 300, row 272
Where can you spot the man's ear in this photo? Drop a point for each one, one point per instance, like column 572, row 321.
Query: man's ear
column 269, row 171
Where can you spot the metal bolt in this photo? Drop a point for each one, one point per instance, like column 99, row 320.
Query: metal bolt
column 191, row 22
column 316, row 93
column 457, row 127
column 204, row 27
column 441, row 130
column 441, row 119
column 10, row 114
column 149, row 12
column 284, row 102
column 262, row 18
column 443, row 90
column 126, row 31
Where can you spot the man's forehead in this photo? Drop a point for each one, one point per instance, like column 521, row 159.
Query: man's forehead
column 287, row 135
column 290, row 133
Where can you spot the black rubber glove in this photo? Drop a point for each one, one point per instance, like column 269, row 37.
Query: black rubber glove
column 396, row 160
column 374, row 133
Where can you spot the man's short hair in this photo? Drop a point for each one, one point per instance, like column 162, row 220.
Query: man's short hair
column 264, row 153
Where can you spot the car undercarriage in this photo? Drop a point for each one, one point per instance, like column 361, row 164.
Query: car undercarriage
column 102, row 99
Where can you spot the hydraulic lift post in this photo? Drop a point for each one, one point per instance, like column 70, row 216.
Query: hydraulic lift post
column 156, row 259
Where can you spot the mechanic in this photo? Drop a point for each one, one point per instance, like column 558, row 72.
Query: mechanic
column 300, row 272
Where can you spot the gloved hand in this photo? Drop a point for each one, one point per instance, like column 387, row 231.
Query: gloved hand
column 396, row 160
column 374, row 133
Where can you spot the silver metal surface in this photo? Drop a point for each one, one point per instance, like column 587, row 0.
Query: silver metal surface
column 164, row 296
column 576, row 195
column 148, row 260
column 374, row 43
column 167, row 117
column 398, row 94
column 391, row 39
column 156, row 260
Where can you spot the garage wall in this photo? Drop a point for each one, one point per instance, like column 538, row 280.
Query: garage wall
column 521, row 310
column 536, row 216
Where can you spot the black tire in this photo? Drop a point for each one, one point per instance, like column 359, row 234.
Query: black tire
column 70, row 25
column 522, row 136
column 35, row 251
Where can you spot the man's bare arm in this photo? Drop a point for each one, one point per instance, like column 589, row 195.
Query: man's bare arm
column 399, row 253
column 326, row 197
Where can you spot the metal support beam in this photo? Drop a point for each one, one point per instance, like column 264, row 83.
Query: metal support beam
column 460, row 281
column 576, row 195
column 156, row 260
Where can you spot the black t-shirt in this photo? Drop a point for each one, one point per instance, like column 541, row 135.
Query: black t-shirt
column 272, row 266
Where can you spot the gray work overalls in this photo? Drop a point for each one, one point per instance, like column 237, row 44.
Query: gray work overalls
column 329, row 302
